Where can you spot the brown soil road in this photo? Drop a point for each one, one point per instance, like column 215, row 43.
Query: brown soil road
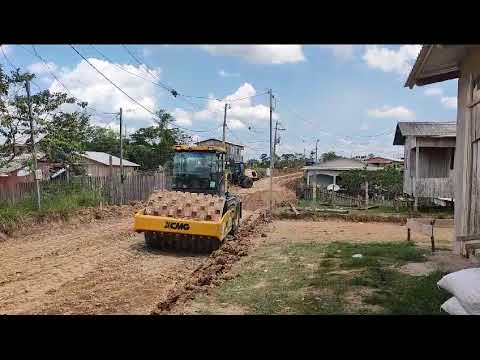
column 99, row 267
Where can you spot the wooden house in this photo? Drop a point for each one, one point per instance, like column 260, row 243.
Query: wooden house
column 382, row 162
column 328, row 172
column 429, row 149
column 98, row 164
column 17, row 170
column 234, row 151
column 437, row 63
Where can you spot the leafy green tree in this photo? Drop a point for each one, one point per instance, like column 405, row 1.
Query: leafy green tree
column 63, row 131
column 387, row 181
column 154, row 145
column 264, row 160
column 103, row 140
column 330, row 155
column 65, row 137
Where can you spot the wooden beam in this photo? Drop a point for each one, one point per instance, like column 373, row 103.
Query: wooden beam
column 417, row 171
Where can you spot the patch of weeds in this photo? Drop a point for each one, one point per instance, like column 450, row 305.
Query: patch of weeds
column 327, row 263
column 364, row 261
column 399, row 293
column 402, row 251
column 292, row 286
column 289, row 287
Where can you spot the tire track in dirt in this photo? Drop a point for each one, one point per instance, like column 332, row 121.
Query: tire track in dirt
column 98, row 265
column 214, row 270
column 97, row 268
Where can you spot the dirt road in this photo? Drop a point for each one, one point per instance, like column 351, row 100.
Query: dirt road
column 99, row 267
column 258, row 196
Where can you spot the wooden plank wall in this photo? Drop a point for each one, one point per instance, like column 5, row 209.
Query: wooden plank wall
column 435, row 187
column 467, row 153
column 136, row 187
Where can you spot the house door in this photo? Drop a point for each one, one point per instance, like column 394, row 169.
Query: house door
column 474, row 201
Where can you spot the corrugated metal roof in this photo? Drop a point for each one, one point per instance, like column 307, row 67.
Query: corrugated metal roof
column 220, row 141
column 104, row 158
column 436, row 63
column 18, row 163
column 429, row 129
column 338, row 164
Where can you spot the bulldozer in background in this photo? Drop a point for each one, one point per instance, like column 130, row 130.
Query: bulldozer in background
column 198, row 213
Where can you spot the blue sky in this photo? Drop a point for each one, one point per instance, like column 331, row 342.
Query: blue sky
column 350, row 97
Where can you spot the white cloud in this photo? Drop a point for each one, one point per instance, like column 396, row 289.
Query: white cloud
column 262, row 54
column 241, row 113
column 434, row 91
column 6, row 48
column 397, row 112
column 182, row 117
column 342, row 52
column 389, row 60
column 224, row 73
column 450, row 102
column 41, row 68
column 87, row 85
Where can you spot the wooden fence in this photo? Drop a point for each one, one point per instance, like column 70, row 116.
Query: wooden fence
column 136, row 187
column 332, row 198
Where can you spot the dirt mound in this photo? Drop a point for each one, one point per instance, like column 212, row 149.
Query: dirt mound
column 286, row 214
column 260, row 199
column 212, row 272
column 81, row 216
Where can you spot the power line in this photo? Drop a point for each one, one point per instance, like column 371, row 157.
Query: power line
column 14, row 67
column 47, row 67
column 174, row 92
column 126, row 94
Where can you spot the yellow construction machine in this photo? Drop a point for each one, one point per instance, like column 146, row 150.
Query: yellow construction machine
column 198, row 213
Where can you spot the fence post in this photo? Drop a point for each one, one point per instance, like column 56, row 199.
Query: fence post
column 314, row 193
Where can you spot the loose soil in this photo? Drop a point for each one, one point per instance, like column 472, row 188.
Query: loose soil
column 93, row 262
column 269, row 251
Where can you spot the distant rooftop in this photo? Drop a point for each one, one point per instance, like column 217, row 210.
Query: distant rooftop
column 19, row 162
column 203, row 141
column 104, row 158
column 429, row 129
column 338, row 164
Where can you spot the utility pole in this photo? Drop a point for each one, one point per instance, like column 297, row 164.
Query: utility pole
column 32, row 138
column 275, row 139
column 271, row 156
column 121, row 156
column 224, row 125
column 225, row 147
column 316, row 151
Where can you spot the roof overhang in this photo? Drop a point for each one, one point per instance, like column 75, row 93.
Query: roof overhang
column 436, row 63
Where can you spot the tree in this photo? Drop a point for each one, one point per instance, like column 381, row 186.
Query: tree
column 387, row 181
column 328, row 156
column 65, row 137
column 64, row 132
column 264, row 159
column 154, row 145
column 103, row 140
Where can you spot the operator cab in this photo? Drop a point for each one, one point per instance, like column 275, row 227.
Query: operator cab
column 199, row 169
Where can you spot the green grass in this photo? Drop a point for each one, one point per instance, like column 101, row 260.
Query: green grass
column 392, row 252
column 401, row 294
column 59, row 200
column 308, row 278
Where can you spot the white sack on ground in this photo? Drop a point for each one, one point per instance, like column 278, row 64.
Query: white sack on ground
column 465, row 286
column 453, row 307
